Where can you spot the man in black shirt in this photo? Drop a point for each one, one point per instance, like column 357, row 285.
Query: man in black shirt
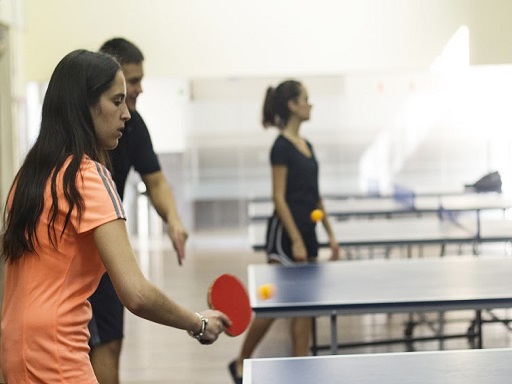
column 135, row 150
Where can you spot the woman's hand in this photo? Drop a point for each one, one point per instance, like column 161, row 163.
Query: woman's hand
column 217, row 323
column 300, row 254
column 335, row 250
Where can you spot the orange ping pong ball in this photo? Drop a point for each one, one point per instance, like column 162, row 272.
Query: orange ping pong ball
column 266, row 291
column 317, row 215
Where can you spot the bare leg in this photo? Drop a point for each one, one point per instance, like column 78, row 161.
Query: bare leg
column 301, row 329
column 105, row 361
column 255, row 334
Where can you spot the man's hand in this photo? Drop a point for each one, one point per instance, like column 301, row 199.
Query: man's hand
column 162, row 198
column 178, row 236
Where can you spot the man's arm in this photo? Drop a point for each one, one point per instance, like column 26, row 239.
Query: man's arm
column 162, row 198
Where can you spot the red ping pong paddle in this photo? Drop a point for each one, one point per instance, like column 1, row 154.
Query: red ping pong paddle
column 228, row 295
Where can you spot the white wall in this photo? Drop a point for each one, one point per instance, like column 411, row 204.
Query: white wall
column 7, row 11
column 11, row 91
column 165, row 106
column 412, row 128
column 378, row 111
column 195, row 38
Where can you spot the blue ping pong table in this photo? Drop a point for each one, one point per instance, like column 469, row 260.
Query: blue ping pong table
column 488, row 366
column 404, row 204
column 404, row 232
column 384, row 286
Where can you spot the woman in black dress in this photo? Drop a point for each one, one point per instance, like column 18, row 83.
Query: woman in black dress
column 291, row 235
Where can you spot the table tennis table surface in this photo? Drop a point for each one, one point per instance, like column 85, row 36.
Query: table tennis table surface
column 489, row 366
column 405, row 204
column 381, row 285
column 400, row 231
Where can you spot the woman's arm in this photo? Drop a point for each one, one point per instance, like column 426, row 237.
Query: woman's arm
column 141, row 297
column 279, row 174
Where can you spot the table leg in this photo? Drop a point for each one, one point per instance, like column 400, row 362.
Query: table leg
column 441, row 330
column 313, row 336
column 478, row 321
column 334, row 334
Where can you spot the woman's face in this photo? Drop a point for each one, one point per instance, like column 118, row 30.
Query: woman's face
column 110, row 113
column 301, row 106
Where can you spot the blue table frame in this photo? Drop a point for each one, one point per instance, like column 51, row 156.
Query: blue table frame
column 408, row 204
column 384, row 286
column 490, row 366
column 404, row 232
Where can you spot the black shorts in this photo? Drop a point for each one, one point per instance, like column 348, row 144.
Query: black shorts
column 279, row 245
column 107, row 323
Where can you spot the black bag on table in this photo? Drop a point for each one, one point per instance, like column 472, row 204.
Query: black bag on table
column 488, row 183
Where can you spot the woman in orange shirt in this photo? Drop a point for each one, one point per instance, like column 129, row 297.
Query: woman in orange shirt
column 64, row 226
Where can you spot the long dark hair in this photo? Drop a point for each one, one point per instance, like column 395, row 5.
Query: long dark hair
column 275, row 107
column 67, row 132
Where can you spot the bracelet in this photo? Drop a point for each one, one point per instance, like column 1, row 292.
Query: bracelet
column 199, row 336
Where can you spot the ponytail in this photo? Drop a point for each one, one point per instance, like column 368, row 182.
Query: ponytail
column 275, row 106
column 269, row 114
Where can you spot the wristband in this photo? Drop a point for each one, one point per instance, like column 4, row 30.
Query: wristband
column 199, row 336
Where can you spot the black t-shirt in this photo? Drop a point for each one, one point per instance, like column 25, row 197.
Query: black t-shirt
column 135, row 149
column 302, row 195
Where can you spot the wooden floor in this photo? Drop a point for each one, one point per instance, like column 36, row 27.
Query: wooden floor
column 154, row 354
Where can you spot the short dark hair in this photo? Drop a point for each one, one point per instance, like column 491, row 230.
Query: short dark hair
column 123, row 50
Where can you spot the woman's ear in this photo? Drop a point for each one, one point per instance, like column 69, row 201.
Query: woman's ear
column 292, row 105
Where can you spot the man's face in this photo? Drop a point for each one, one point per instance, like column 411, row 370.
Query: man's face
column 133, row 74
